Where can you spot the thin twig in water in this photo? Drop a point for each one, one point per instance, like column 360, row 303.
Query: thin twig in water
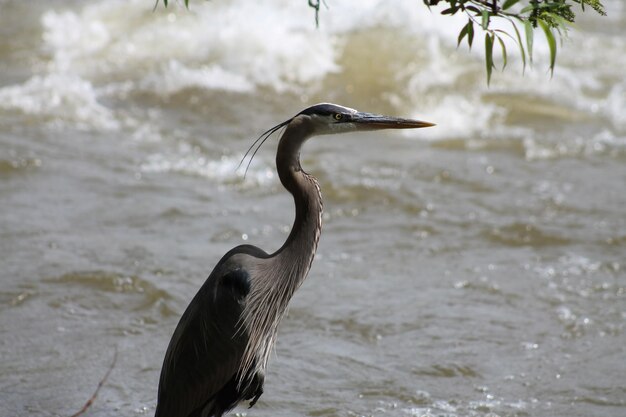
column 100, row 384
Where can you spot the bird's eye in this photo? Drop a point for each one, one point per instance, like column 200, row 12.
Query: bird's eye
column 338, row 116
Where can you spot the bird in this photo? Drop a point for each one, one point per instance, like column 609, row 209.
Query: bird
column 219, row 351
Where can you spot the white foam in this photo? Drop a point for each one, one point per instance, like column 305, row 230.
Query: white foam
column 189, row 161
column 253, row 43
column 59, row 98
column 114, row 47
column 458, row 116
column 177, row 77
column 70, row 37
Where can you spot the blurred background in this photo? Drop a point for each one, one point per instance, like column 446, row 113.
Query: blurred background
column 471, row 269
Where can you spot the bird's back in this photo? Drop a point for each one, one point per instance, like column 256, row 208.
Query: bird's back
column 200, row 370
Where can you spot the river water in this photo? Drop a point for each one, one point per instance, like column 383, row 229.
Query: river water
column 471, row 269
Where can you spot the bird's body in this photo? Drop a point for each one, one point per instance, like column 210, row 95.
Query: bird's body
column 220, row 348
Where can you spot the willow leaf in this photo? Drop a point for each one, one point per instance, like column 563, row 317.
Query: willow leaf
column 528, row 27
column 503, row 52
column 551, row 43
column 489, row 55
column 462, row 34
column 508, row 3
column 521, row 46
column 485, row 19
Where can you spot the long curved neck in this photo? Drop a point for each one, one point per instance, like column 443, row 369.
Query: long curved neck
column 280, row 275
column 301, row 244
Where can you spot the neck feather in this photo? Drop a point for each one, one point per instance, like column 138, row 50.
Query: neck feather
column 279, row 276
column 301, row 244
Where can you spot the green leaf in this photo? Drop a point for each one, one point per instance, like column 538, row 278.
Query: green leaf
column 485, row 19
column 528, row 9
column 528, row 28
column 463, row 33
column 508, row 3
column 505, row 33
column 503, row 52
column 489, row 55
column 470, row 34
column 521, row 46
column 551, row 43
column 595, row 4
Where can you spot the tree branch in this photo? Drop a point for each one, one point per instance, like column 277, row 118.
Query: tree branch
column 91, row 400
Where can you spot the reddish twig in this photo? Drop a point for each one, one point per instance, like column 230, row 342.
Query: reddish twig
column 100, row 384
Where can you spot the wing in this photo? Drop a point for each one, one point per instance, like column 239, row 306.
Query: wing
column 206, row 348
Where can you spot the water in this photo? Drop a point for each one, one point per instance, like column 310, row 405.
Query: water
column 472, row 269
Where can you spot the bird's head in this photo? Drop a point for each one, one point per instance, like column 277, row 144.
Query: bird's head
column 328, row 118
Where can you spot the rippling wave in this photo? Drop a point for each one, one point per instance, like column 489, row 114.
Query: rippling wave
column 471, row 269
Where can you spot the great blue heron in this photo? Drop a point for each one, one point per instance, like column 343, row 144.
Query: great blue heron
column 220, row 348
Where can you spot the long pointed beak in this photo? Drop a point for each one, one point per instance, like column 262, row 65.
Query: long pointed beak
column 367, row 121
